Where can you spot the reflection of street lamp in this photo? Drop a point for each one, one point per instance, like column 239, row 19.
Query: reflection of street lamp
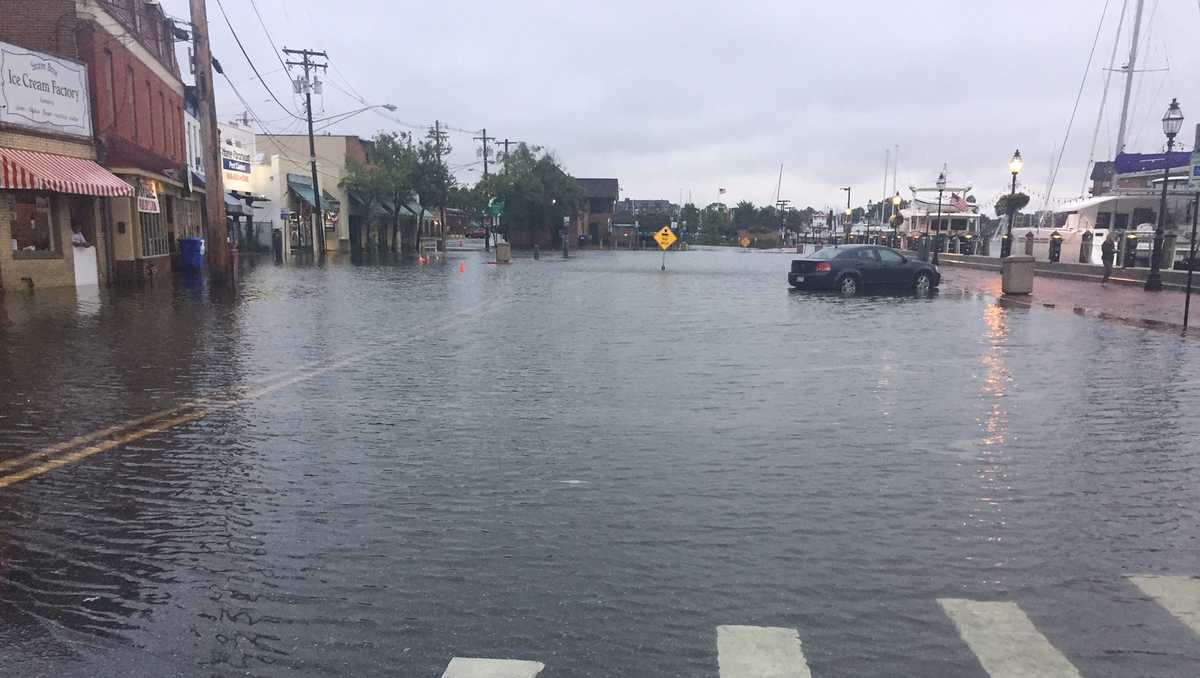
column 1014, row 166
column 1171, row 122
column 847, row 228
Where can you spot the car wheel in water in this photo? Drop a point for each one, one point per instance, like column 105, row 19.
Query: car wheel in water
column 848, row 285
column 923, row 285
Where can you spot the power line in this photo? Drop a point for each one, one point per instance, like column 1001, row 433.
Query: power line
column 250, row 61
column 270, row 40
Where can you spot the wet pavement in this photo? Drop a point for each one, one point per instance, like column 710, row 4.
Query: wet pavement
column 588, row 464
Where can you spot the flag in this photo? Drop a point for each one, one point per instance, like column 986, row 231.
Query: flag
column 958, row 202
column 720, row 191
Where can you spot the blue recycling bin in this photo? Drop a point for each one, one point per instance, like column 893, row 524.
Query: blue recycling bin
column 191, row 254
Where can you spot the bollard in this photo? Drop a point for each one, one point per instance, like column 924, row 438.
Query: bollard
column 1029, row 243
column 1056, row 241
column 537, row 251
column 1131, row 243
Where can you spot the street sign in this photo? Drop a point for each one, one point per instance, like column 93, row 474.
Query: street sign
column 496, row 207
column 665, row 237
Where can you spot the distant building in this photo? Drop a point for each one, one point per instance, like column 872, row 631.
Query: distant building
column 639, row 206
column 594, row 225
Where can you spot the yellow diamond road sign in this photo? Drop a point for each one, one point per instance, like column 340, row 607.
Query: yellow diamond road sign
column 665, row 237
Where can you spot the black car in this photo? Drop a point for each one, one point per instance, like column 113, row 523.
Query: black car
column 850, row 268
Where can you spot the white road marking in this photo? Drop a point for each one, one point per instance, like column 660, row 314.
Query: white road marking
column 760, row 652
column 1005, row 641
column 462, row 667
column 1179, row 595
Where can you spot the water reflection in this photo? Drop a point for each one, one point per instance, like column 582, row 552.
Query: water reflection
column 988, row 518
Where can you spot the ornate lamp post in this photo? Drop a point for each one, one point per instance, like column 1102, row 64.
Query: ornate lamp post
column 1171, row 122
column 1014, row 166
column 896, row 218
column 941, row 186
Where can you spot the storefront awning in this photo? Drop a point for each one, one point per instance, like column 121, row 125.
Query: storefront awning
column 29, row 170
column 304, row 191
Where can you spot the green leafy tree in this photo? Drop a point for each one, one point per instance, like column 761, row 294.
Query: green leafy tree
column 650, row 222
column 744, row 214
column 690, row 216
column 716, row 225
column 396, row 159
column 536, row 191
column 472, row 200
column 432, row 179
column 368, row 185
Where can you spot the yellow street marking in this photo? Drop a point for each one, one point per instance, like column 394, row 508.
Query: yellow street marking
column 206, row 406
column 90, row 450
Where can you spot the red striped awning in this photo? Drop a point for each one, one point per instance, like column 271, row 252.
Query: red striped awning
column 29, row 170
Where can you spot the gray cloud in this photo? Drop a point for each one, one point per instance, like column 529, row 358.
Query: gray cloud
column 673, row 97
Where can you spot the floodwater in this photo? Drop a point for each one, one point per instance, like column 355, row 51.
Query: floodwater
column 370, row 469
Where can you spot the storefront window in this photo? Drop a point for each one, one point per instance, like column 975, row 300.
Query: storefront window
column 32, row 226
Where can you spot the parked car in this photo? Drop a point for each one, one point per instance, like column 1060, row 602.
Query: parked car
column 477, row 232
column 851, row 268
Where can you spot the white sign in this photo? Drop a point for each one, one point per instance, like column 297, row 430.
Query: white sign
column 147, row 198
column 237, row 154
column 43, row 92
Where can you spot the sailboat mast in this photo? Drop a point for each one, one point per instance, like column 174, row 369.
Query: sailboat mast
column 1112, row 60
column 1129, row 71
column 887, row 164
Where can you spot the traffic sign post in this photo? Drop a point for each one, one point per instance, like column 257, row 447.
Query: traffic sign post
column 665, row 238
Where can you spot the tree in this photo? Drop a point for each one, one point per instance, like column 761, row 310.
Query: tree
column 367, row 185
column 650, row 222
column 432, row 179
column 396, row 158
column 744, row 214
column 536, row 191
column 472, row 200
column 1019, row 201
column 690, row 216
column 716, row 226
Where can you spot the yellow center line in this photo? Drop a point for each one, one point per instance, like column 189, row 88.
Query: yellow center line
column 203, row 407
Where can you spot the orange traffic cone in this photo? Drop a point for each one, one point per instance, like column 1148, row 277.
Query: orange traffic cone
column 462, row 267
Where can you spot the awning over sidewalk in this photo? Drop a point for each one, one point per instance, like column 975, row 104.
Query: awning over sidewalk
column 33, row 171
column 302, row 187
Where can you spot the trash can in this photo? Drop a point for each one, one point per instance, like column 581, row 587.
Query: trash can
column 1016, row 275
column 191, row 254
column 1085, row 247
column 503, row 253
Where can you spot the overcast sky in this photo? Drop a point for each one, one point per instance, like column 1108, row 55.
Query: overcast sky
column 678, row 99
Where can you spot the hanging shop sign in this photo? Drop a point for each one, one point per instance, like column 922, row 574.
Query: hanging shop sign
column 147, row 197
column 43, row 92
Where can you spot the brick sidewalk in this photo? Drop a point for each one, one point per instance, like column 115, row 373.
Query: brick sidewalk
column 1123, row 303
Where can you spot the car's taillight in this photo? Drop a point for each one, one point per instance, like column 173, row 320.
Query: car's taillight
column 824, row 267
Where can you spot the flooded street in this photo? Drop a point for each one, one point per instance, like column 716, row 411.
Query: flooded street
column 368, row 470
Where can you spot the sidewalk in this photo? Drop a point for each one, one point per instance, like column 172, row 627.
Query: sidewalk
column 1123, row 303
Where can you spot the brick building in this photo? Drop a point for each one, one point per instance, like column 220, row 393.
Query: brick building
column 133, row 104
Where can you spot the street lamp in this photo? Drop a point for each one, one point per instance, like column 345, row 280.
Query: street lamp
column 1015, row 165
column 847, row 228
column 1172, row 121
column 941, row 187
column 896, row 218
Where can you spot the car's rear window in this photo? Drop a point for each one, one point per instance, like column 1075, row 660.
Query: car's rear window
column 826, row 253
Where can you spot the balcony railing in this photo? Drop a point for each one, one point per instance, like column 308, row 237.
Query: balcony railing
column 150, row 29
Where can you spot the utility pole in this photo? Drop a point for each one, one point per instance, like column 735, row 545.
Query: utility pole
column 487, row 219
column 308, row 64
column 216, row 230
column 506, row 143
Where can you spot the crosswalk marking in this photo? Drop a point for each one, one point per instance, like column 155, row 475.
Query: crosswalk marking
column 760, row 652
column 1179, row 595
column 464, row 667
column 1005, row 641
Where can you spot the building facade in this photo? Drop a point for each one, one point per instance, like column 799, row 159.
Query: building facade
column 593, row 225
column 55, row 199
column 283, row 176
